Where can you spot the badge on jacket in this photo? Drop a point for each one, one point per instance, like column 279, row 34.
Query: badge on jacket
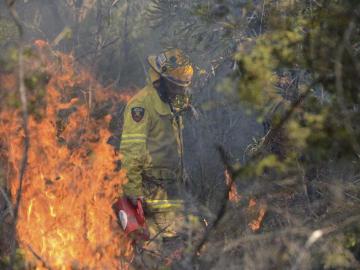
column 137, row 113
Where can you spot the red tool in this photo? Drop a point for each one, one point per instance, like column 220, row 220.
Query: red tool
column 132, row 218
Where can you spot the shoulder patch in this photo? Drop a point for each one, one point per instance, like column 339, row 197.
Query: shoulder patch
column 137, row 113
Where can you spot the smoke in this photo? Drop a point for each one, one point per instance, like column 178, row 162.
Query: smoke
column 112, row 39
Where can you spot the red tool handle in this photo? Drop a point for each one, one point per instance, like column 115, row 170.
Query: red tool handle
column 140, row 212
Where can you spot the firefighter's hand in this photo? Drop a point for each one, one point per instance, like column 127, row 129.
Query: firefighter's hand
column 133, row 200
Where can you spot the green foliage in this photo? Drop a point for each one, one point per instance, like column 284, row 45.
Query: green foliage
column 300, row 76
column 35, row 83
column 305, row 42
column 18, row 264
column 274, row 50
column 297, row 67
column 208, row 30
column 8, row 31
column 338, row 256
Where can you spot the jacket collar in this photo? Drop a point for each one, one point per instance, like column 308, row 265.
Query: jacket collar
column 160, row 107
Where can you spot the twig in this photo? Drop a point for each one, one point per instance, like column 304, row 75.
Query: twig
column 45, row 264
column 262, row 16
column 294, row 231
column 318, row 234
column 308, row 203
column 272, row 132
column 222, row 210
column 126, row 45
column 353, row 197
column 156, row 235
column 340, row 87
column 113, row 5
column 22, row 91
column 8, row 202
column 97, row 49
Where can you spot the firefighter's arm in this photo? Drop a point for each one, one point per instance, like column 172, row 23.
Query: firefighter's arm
column 133, row 147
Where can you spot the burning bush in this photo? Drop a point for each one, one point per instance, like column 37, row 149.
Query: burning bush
column 72, row 174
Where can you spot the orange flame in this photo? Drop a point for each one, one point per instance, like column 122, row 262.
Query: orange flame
column 233, row 194
column 65, row 216
column 235, row 197
column 255, row 224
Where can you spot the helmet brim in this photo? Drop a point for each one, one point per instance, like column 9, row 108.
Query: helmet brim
column 152, row 62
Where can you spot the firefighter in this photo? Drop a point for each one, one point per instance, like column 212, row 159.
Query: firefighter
column 152, row 150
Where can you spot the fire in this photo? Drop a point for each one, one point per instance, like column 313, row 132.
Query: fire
column 233, row 194
column 255, row 224
column 65, row 216
column 254, row 211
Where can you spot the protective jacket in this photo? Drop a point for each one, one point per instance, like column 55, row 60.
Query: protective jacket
column 151, row 145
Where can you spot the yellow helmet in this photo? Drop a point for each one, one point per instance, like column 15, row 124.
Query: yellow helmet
column 174, row 65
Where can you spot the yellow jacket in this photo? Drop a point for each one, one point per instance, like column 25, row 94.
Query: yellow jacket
column 151, row 141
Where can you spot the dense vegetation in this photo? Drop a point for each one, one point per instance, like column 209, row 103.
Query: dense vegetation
column 277, row 93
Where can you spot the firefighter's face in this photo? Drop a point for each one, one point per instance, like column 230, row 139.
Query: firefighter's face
column 173, row 89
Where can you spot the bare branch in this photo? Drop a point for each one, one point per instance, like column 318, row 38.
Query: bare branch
column 24, row 108
column 316, row 235
column 340, row 87
column 37, row 256
column 222, row 209
column 8, row 202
